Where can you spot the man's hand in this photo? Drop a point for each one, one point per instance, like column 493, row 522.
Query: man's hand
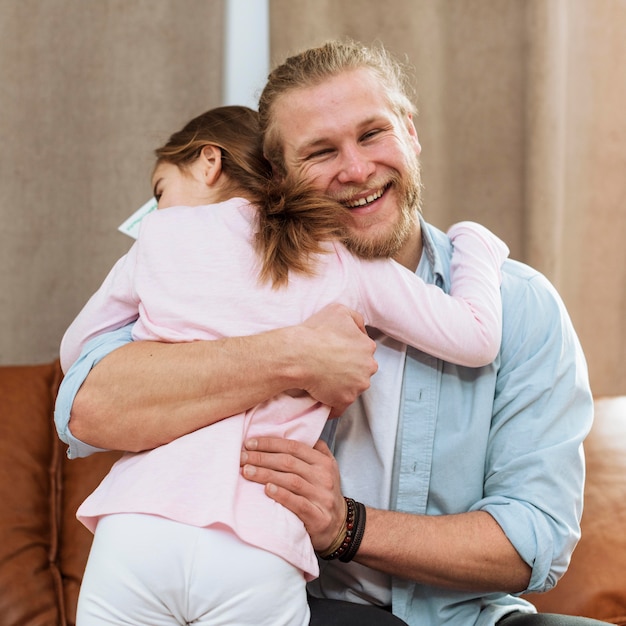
column 340, row 357
column 430, row 549
column 305, row 480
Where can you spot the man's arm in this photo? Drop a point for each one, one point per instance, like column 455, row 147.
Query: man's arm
column 521, row 533
column 145, row 394
column 468, row 551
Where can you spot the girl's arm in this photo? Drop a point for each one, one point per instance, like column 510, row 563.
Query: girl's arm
column 113, row 306
column 464, row 327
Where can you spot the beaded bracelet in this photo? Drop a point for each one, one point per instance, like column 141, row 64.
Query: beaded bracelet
column 348, row 540
column 359, row 530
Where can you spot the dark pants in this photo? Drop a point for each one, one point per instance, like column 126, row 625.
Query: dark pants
column 546, row 619
column 339, row 613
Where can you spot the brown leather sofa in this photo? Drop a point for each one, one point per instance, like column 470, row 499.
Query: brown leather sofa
column 43, row 549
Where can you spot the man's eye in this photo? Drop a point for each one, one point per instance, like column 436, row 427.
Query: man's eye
column 371, row 133
column 319, row 153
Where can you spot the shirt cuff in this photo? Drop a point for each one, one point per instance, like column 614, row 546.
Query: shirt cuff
column 93, row 352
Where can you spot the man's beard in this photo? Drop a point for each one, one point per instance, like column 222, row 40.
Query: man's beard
column 388, row 244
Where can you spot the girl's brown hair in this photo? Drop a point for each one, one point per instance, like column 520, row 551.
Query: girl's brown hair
column 233, row 129
column 293, row 220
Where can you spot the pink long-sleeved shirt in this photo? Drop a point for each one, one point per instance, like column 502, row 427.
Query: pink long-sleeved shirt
column 193, row 274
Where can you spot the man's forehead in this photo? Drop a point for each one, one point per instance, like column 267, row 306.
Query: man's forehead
column 317, row 113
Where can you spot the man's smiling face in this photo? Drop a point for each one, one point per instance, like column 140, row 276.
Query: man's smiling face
column 344, row 137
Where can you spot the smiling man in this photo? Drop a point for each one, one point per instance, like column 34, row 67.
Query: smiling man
column 467, row 483
column 354, row 147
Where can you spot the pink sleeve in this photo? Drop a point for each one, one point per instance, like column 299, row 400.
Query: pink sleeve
column 114, row 305
column 464, row 327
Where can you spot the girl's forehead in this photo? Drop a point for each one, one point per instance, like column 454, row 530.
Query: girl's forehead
column 162, row 169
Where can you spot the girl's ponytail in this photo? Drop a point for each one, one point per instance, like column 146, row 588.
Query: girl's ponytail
column 294, row 223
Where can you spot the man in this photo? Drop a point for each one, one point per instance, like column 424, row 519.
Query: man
column 471, row 478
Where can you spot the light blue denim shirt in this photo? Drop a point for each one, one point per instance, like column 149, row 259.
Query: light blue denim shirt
column 93, row 352
column 505, row 438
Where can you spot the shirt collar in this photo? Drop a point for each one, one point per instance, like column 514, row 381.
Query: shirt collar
column 434, row 265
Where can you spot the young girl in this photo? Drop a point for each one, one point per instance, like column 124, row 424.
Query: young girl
column 180, row 536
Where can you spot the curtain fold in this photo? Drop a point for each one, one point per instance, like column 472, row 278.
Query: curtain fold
column 545, row 136
column 576, row 170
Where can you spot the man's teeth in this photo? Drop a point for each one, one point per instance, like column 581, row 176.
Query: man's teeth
column 364, row 201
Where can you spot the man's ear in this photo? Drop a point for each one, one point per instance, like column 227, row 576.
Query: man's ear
column 413, row 138
column 211, row 159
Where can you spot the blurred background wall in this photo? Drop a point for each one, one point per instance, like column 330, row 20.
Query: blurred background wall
column 521, row 119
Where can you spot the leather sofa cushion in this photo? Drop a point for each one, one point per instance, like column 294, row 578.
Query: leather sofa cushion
column 595, row 583
column 30, row 498
column 44, row 548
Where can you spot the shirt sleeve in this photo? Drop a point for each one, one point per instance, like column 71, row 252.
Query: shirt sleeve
column 464, row 327
column 542, row 412
column 93, row 352
column 114, row 305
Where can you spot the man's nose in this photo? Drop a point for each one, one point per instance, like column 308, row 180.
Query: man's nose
column 355, row 166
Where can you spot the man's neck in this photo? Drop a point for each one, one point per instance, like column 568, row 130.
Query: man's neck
column 411, row 252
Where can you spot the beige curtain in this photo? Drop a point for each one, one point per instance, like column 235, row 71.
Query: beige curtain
column 523, row 128
column 521, row 121
column 575, row 224
column 88, row 89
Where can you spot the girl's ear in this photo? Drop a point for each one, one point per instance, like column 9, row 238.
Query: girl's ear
column 211, row 159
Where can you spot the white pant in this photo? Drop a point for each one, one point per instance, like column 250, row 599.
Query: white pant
column 144, row 569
